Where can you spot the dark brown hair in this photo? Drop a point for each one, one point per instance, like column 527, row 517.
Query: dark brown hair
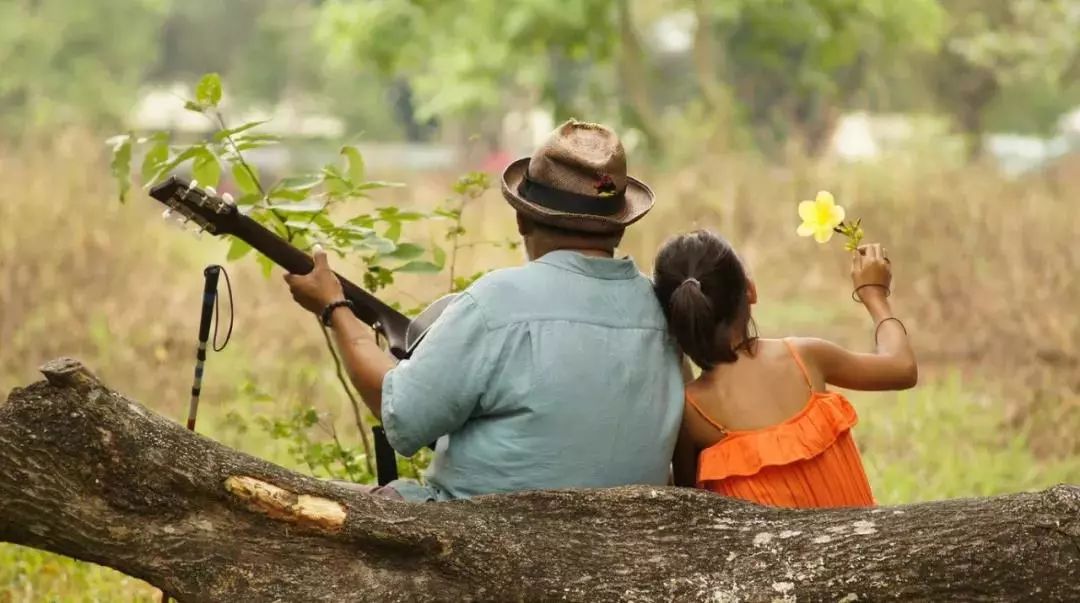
column 703, row 289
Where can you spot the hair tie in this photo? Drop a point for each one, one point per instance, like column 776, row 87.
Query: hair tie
column 693, row 281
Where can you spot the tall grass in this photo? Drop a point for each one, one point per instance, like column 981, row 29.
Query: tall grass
column 984, row 281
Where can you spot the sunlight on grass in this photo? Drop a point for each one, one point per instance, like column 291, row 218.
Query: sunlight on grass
column 943, row 441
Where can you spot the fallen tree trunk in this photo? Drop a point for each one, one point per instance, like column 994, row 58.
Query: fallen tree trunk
column 87, row 473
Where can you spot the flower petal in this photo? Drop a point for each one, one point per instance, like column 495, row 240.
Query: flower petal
column 805, row 229
column 825, row 198
column 837, row 215
column 822, row 235
column 807, row 210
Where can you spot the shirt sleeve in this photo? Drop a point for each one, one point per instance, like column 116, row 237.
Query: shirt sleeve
column 438, row 389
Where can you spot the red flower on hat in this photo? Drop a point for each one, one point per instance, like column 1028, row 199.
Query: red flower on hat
column 605, row 186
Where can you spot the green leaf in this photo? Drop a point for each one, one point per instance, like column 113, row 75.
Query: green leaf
column 406, row 251
column 155, row 157
column 370, row 184
column 244, row 179
column 393, row 232
column 208, row 91
column 295, row 188
column 438, row 256
column 223, row 134
column 120, row 166
column 175, row 162
column 206, row 169
column 419, row 267
column 355, row 163
column 237, row 250
column 266, row 264
column 301, row 207
column 249, row 199
column 245, row 142
column 194, row 106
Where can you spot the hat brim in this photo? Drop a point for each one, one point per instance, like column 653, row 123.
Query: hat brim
column 639, row 200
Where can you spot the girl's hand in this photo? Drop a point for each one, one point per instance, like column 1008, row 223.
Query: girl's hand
column 870, row 266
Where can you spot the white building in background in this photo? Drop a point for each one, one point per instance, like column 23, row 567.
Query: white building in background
column 163, row 109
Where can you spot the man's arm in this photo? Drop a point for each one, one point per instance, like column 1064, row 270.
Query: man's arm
column 431, row 394
column 365, row 362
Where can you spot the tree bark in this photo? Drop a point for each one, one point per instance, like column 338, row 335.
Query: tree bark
column 88, row 473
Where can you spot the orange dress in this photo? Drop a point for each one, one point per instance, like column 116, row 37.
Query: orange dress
column 809, row 460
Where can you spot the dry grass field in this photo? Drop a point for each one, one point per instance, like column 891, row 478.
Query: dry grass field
column 985, row 281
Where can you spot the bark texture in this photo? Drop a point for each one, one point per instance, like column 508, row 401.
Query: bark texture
column 88, row 473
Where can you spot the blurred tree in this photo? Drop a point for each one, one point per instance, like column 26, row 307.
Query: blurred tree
column 1026, row 49
column 795, row 65
column 73, row 61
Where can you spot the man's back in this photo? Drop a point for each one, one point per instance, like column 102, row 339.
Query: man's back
column 559, row 374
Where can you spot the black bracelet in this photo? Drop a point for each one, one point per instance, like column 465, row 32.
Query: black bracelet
column 855, row 294
column 328, row 311
column 885, row 320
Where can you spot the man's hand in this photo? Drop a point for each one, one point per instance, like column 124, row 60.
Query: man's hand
column 318, row 288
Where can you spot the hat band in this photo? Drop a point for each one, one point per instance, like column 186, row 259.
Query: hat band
column 568, row 202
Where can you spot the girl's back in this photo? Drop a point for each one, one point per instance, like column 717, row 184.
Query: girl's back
column 768, row 431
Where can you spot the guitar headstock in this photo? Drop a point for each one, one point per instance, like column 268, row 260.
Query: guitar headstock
column 203, row 207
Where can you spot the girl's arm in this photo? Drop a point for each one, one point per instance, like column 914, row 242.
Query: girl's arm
column 892, row 366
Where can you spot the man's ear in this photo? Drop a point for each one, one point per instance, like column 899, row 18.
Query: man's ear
column 525, row 226
column 751, row 292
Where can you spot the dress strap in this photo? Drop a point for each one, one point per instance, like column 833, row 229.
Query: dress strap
column 799, row 361
column 704, row 415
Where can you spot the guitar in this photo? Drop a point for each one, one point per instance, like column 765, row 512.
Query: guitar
column 219, row 216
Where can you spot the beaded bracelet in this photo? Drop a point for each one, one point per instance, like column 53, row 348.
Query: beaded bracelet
column 328, row 311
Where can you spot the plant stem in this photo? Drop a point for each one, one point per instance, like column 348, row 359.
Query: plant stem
column 357, row 414
column 251, row 173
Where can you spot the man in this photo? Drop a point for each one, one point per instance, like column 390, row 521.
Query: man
column 556, row 374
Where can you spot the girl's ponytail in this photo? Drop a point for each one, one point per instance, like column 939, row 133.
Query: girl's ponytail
column 702, row 288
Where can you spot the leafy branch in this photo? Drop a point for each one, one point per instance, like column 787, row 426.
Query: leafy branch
column 304, row 209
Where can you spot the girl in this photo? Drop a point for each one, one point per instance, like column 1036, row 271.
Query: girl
column 760, row 423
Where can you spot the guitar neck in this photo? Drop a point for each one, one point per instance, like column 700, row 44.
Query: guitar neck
column 368, row 308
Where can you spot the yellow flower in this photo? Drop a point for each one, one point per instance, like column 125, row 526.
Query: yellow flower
column 820, row 217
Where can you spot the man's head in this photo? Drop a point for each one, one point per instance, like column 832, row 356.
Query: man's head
column 574, row 193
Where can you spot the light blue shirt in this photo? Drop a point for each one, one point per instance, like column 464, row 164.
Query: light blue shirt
column 556, row 374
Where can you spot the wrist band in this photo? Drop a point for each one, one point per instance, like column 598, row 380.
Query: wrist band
column 855, row 294
column 885, row 320
column 328, row 311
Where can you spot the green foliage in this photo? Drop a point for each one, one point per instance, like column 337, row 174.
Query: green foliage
column 318, row 207
column 324, row 459
column 943, row 441
column 66, row 62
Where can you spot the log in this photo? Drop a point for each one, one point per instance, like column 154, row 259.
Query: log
column 88, row 473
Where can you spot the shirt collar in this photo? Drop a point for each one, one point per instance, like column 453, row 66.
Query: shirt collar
column 595, row 267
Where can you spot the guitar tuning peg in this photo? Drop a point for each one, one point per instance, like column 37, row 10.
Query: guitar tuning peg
column 211, row 191
column 193, row 184
column 227, row 198
column 167, row 214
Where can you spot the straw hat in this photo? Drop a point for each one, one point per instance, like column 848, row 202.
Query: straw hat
column 577, row 181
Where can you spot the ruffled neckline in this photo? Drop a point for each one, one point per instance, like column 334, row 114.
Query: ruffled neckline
column 808, row 433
